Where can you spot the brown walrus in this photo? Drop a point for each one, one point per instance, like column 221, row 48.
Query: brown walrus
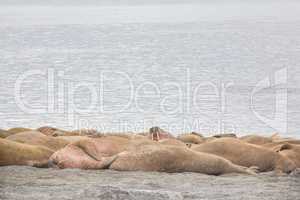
column 245, row 154
column 47, row 130
column 73, row 156
column 86, row 132
column 156, row 134
column 286, row 140
column 276, row 143
column 71, row 139
column 18, row 130
column 14, row 153
column 82, row 132
column 217, row 136
column 166, row 158
column 51, row 131
column 4, row 133
column 257, row 139
column 92, row 153
column 37, row 138
column 127, row 135
column 292, row 151
column 225, row 135
column 191, row 138
column 174, row 142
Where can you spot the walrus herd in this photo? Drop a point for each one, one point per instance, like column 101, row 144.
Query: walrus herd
column 155, row 150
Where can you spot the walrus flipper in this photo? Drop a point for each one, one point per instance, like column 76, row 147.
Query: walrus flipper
column 106, row 162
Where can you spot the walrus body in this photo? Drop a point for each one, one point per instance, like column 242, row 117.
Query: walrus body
column 225, row 135
column 173, row 142
column 245, row 154
column 4, row 133
column 89, row 153
column 14, row 153
column 37, row 138
column 289, row 141
column 164, row 158
column 256, row 139
column 18, row 130
column 191, row 138
column 51, row 131
column 72, row 139
column 73, row 156
column 281, row 142
column 85, row 132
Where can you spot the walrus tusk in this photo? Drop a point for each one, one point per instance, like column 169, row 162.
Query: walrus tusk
column 157, row 135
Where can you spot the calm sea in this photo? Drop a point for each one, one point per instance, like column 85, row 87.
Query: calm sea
column 206, row 66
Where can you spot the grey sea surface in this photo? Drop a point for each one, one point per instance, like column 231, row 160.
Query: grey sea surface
column 30, row 183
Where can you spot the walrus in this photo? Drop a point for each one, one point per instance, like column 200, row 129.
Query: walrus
column 166, row 158
column 47, row 130
column 51, row 131
column 174, row 142
column 277, row 143
column 4, row 133
column 85, row 132
column 37, row 138
column 14, row 153
column 64, row 133
column 257, row 139
column 225, row 135
column 128, row 135
column 191, row 138
column 286, row 140
column 245, row 154
column 73, row 156
column 156, row 133
column 71, row 139
column 91, row 153
column 217, row 136
column 18, row 130
column 80, row 132
column 137, row 137
column 292, row 151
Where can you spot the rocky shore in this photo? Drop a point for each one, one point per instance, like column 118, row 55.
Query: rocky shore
column 29, row 183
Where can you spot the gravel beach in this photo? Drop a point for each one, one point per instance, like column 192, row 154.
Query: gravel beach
column 18, row 182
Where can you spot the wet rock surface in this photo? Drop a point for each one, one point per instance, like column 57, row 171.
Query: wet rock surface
column 18, row 182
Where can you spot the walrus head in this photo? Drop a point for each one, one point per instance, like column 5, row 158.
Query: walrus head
column 157, row 134
column 47, row 130
column 290, row 151
column 285, row 165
